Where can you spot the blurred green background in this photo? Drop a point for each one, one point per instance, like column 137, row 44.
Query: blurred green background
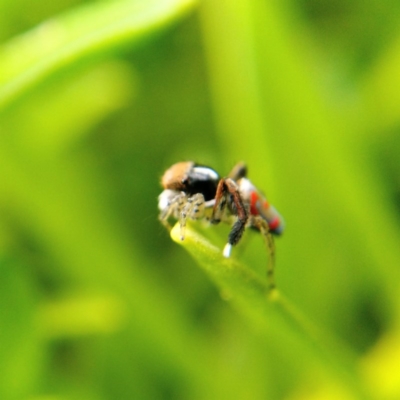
column 98, row 98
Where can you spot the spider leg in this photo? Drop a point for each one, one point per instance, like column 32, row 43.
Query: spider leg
column 262, row 225
column 238, row 171
column 181, row 207
column 169, row 204
column 219, row 202
column 193, row 208
column 228, row 189
column 209, row 204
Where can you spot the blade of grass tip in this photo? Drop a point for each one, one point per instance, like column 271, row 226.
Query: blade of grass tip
column 240, row 284
column 90, row 29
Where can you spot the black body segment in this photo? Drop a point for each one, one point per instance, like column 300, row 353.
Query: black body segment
column 202, row 179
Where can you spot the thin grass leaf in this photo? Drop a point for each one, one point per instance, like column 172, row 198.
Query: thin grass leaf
column 91, row 29
column 272, row 311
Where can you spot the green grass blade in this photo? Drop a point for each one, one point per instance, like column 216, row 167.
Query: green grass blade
column 92, row 29
column 272, row 312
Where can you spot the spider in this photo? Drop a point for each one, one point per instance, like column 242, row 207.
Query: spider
column 196, row 191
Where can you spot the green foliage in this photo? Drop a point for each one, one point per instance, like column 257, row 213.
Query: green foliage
column 97, row 99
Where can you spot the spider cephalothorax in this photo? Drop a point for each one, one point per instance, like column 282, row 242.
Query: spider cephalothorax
column 194, row 191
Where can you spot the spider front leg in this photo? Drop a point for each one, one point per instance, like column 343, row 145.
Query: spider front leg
column 228, row 194
column 259, row 223
column 170, row 203
column 193, row 208
column 180, row 206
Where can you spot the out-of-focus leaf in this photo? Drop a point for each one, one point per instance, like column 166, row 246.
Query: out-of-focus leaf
column 380, row 93
column 79, row 316
column 304, row 143
column 381, row 368
column 21, row 360
column 91, row 29
column 64, row 113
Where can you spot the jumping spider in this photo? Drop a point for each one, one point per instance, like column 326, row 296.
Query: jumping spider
column 193, row 191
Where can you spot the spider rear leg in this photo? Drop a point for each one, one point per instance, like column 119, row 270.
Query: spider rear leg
column 228, row 194
column 238, row 171
column 262, row 225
